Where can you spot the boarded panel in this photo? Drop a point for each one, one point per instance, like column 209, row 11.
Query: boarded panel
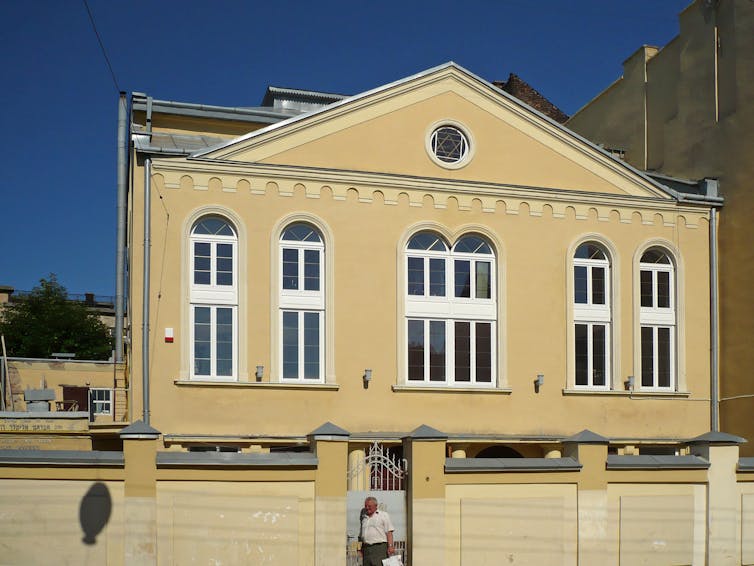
column 747, row 529
column 656, row 530
column 207, row 528
column 521, row 531
column 46, row 522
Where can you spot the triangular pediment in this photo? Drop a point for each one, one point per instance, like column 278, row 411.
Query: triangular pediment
column 387, row 131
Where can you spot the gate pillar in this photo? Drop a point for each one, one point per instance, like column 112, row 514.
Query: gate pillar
column 140, row 489
column 425, row 450
column 330, row 445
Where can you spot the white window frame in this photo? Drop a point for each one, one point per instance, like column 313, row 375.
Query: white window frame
column 301, row 301
column 657, row 317
column 591, row 314
column 301, row 350
column 106, row 402
column 213, row 296
column 213, row 376
column 451, row 309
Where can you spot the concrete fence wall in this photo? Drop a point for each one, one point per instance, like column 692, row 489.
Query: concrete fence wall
column 143, row 507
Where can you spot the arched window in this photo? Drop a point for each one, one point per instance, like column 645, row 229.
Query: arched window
column 302, row 303
column 657, row 318
column 592, row 316
column 214, row 299
column 450, row 311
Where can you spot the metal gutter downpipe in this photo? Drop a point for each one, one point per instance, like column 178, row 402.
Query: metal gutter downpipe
column 120, row 238
column 145, row 295
column 714, row 325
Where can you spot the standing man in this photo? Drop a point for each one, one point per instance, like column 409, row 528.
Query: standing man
column 376, row 534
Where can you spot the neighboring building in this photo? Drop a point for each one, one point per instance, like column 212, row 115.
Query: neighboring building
column 68, row 403
column 516, row 86
column 102, row 306
column 684, row 110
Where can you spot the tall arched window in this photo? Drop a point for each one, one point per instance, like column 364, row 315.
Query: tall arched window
column 214, row 299
column 450, row 311
column 657, row 318
column 302, row 303
column 592, row 316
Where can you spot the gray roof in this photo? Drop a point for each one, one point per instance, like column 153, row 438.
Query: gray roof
column 173, row 144
column 256, row 114
column 274, row 92
column 647, row 462
column 237, row 459
column 746, row 464
column 459, row 465
column 61, row 457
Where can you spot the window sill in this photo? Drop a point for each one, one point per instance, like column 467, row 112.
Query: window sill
column 450, row 389
column 620, row 393
column 259, row 384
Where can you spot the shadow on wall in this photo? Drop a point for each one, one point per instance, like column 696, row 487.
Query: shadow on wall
column 94, row 511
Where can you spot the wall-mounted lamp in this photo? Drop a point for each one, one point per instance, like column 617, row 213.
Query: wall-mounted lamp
column 259, row 373
column 539, row 382
column 629, row 383
column 367, row 377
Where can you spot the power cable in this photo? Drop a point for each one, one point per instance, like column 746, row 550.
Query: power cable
column 102, row 46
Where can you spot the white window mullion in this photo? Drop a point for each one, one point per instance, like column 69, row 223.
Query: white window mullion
column 322, row 341
column 590, row 354
column 427, row 344
column 472, row 351
column 301, row 341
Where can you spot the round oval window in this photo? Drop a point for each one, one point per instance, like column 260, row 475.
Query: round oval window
column 449, row 144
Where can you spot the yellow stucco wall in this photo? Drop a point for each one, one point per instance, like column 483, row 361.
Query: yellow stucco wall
column 236, row 522
column 366, row 217
column 40, row 522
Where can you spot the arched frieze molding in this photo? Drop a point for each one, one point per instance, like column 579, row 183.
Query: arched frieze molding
column 424, row 198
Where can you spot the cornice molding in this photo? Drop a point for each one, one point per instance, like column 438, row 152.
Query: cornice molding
column 285, row 181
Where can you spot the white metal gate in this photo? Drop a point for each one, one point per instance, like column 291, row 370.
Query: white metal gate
column 381, row 473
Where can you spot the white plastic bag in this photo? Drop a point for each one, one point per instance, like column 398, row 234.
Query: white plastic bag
column 394, row 560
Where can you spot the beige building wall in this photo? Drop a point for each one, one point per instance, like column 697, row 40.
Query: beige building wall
column 40, row 521
column 235, row 522
column 553, row 193
column 700, row 123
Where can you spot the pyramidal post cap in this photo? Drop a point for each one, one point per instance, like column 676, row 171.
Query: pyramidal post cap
column 425, row 432
column 329, row 430
column 139, row 430
column 586, row 436
column 718, row 438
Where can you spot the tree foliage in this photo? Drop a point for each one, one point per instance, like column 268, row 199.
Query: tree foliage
column 46, row 321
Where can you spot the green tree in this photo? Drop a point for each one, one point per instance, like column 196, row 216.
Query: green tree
column 45, row 321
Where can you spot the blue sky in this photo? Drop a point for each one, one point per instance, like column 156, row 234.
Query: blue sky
column 58, row 103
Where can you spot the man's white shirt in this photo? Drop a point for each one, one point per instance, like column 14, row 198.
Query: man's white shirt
column 374, row 529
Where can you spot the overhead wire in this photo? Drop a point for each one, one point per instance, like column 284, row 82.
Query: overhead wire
column 102, row 46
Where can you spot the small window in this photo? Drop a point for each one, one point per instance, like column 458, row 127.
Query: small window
column 449, row 144
column 101, row 401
